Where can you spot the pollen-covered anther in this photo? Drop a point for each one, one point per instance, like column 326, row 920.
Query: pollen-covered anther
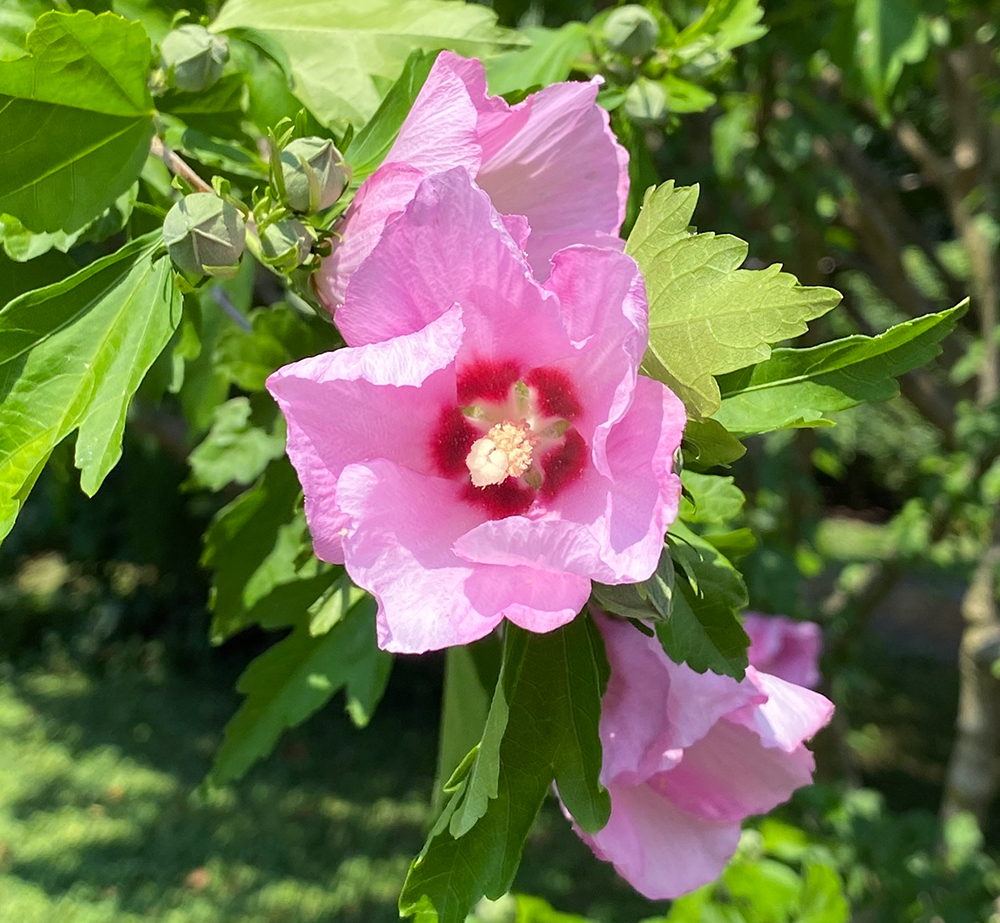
column 504, row 452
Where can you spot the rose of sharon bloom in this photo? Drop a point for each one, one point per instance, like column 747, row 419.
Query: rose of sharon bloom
column 551, row 159
column 688, row 756
column 783, row 647
column 491, row 447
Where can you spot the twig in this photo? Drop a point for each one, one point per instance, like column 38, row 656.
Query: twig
column 220, row 297
column 177, row 166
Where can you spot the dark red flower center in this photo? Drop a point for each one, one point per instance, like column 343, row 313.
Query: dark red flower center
column 510, row 438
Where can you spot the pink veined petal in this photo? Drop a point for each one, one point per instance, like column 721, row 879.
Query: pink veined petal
column 375, row 401
column 785, row 648
column 563, row 170
column 653, row 708
column 381, row 198
column 659, row 849
column 451, row 246
column 440, row 130
column 729, row 774
column 398, row 546
column 603, row 299
column 791, row 714
column 610, row 529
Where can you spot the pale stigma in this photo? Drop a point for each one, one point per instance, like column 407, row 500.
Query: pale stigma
column 504, row 452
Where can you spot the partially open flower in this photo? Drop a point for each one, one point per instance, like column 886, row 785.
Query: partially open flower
column 784, row 647
column 193, row 57
column 688, row 756
column 552, row 160
column 490, row 447
column 205, row 235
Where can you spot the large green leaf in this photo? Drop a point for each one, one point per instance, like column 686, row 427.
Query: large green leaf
column 76, row 119
column 795, row 387
column 345, row 53
column 72, row 355
column 707, row 316
column 703, row 630
column 258, row 547
column 651, row 600
column 549, row 689
column 295, row 678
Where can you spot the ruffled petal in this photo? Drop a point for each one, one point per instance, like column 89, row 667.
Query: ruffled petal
column 790, row 715
column 376, row 401
column 562, row 169
column 659, row 849
column 382, row 197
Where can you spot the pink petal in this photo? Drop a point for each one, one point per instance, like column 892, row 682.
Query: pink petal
column 659, row 849
column 451, row 247
column 785, row 648
column 791, row 715
column 381, row 198
column 729, row 775
column 562, row 169
column 363, row 403
column 440, row 130
column 398, row 546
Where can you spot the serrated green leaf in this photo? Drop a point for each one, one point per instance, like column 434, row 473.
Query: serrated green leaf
column 333, row 605
column 553, row 705
column 76, row 119
column 295, row 678
column 651, row 600
column 707, row 444
column 344, row 53
column 71, row 357
column 235, row 449
column 724, row 25
column 714, row 499
column 549, row 59
column 256, row 546
column 795, row 387
column 370, row 145
column 684, row 96
column 703, row 630
column 707, row 316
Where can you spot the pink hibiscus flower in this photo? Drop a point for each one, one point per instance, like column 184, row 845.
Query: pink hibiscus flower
column 688, row 756
column 551, row 159
column 490, row 447
column 783, row 647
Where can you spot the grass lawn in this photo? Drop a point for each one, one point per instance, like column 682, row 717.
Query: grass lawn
column 102, row 818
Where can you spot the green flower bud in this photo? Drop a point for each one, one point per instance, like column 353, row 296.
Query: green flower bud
column 632, row 31
column 285, row 244
column 205, row 235
column 193, row 57
column 646, row 102
column 315, row 174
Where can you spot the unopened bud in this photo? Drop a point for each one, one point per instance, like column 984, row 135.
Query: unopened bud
column 285, row 244
column 205, row 235
column 314, row 173
column 632, row 31
column 193, row 57
column 646, row 102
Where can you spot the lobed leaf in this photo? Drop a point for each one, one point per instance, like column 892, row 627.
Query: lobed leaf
column 76, row 119
column 72, row 355
column 707, row 316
